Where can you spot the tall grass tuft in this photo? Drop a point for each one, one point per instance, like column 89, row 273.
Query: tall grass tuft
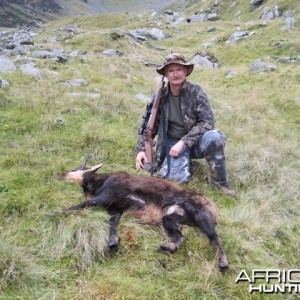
column 81, row 236
column 18, row 268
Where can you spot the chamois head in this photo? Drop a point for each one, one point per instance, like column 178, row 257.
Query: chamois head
column 78, row 174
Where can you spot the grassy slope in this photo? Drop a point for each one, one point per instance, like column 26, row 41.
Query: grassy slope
column 42, row 258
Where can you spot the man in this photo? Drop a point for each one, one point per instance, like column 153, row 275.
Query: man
column 185, row 121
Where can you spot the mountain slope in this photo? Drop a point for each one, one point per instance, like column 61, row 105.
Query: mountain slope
column 18, row 12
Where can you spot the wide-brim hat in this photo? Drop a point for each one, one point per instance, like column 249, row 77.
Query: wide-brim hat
column 175, row 58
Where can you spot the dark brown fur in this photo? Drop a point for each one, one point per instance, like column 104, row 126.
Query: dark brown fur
column 153, row 200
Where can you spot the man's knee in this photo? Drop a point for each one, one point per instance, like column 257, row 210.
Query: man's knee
column 213, row 141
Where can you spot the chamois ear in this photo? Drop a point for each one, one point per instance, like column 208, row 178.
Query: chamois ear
column 96, row 168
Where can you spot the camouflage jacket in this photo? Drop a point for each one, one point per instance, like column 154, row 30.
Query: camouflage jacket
column 197, row 117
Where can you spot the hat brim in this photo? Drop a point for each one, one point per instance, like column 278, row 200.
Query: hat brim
column 161, row 70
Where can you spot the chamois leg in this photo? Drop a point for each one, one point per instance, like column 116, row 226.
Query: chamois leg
column 206, row 222
column 103, row 199
column 171, row 225
column 114, row 239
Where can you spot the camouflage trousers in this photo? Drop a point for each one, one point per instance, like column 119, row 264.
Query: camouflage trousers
column 176, row 168
column 211, row 147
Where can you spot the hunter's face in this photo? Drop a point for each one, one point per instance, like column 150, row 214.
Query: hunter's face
column 176, row 74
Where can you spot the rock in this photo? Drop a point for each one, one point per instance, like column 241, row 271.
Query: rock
column 144, row 34
column 112, row 52
column 42, row 54
column 117, row 34
column 254, row 4
column 213, row 17
column 75, row 83
column 260, row 66
column 287, row 60
column 6, row 65
column 179, row 20
column 19, row 50
column 57, row 55
column 277, row 11
column 169, row 12
column 34, row 24
column 230, row 74
column 30, row 69
column 238, row 35
column 211, row 29
column 73, row 53
column 289, row 19
column 3, row 82
column 290, row 22
column 267, row 14
column 70, row 29
column 289, row 13
column 199, row 18
column 59, row 122
column 200, row 60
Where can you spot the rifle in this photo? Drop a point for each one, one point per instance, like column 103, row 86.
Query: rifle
column 148, row 122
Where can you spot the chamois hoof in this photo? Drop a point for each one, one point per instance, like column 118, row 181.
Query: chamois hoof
column 168, row 248
column 113, row 244
column 223, row 265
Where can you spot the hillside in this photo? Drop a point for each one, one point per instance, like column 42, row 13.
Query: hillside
column 16, row 13
column 78, row 85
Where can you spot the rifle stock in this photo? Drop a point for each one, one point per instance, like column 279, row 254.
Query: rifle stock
column 149, row 144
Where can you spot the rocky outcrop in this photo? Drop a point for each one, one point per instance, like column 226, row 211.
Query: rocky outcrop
column 15, row 13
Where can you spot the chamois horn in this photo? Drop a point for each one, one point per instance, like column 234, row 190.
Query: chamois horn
column 83, row 166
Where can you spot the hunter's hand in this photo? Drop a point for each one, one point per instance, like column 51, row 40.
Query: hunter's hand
column 140, row 159
column 176, row 149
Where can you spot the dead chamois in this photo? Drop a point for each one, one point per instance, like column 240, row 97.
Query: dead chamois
column 153, row 200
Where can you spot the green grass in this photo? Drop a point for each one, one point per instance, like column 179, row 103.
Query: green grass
column 64, row 257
